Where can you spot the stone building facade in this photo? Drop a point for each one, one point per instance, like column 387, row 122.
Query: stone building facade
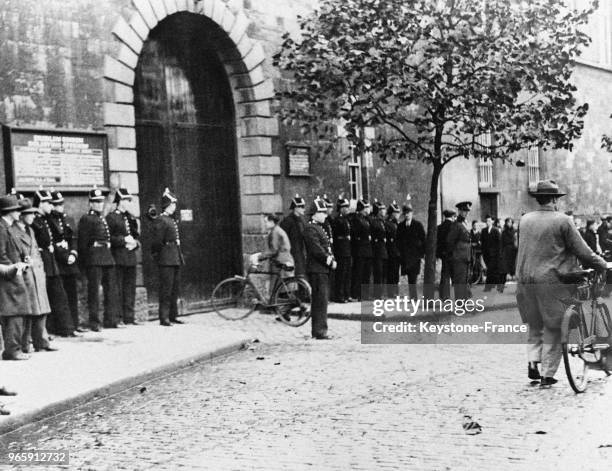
column 184, row 91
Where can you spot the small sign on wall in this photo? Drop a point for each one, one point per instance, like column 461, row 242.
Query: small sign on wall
column 186, row 215
column 298, row 161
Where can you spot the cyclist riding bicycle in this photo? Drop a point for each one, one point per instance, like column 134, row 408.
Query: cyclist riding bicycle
column 549, row 245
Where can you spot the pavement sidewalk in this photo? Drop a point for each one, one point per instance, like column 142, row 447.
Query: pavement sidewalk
column 102, row 364
column 492, row 300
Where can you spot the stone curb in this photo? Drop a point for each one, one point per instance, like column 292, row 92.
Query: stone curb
column 14, row 422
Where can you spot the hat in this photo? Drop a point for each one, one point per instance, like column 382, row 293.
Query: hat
column 464, row 206
column 590, row 222
column 547, row 188
column 297, row 202
column 318, row 206
column 393, row 208
column 26, row 206
column 377, row 206
column 122, row 194
column 168, row 198
column 41, row 196
column 448, row 213
column 407, row 208
column 342, row 202
column 96, row 195
column 56, row 197
column 569, row 213
column 328, row 202
column 362, row 204
column 9, row 203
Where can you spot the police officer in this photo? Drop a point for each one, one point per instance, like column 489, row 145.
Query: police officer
column 394, row 260
column 319, row 262
column 327, row 227
column 341, row 230
column 379, row 247
column 66, row 254
column 60, row 320
column 293, row 225
column 96, row 259
column 443, row 253
column 361, row 242
column 460, row 251
column 124, row 237
column 166, row 250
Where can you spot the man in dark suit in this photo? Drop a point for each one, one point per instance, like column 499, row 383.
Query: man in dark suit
column 293, row 225
column 124, row 237
column 341, row 230
column 97, row 260
column 443, row 253
column 490, row 242
column 319, row 262
column 66, row 254
column 166, row 250
column 59, row 322
column 394, row 260
column 327, row 227
column 379, row 248
column 411, row 244
column 361, row 245
column 459, row 244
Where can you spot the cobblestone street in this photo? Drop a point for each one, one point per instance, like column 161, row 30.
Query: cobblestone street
column 293, row 403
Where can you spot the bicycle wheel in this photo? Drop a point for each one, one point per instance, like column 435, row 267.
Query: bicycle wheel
column 234, row 299
column 291, row 301
column 603, row 332
column 572, row 338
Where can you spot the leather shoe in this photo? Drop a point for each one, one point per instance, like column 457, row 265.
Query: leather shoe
column 6, row 392
column 323, row 337
column 3, row 411
column 547, row 382
column 177, row 321
column 133, row 323
column 17, row 356
column 96, row 328
column 532, row 371
column 47, row 349
column 75, row 334
column 81, row 330
column 166, row 324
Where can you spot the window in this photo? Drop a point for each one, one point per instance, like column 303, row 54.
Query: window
column 533, row 166
column 354, row 174
column 599, row 29
column 485, row 166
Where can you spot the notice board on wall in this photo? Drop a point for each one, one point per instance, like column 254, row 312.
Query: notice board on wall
column 64, row 160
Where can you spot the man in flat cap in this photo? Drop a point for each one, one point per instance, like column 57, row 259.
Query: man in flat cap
column 549, row 245
column 293, row 224
column 341, row 230
column 124, row 236
column 443, row 253
column 459, row 244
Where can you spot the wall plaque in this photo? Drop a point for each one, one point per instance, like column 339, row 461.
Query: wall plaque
column 298, row 161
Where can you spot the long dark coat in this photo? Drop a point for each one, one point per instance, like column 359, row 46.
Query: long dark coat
column 14, row 300
column 411, row 243
column 509, row 243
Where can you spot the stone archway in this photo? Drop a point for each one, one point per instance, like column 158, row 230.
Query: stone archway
column 252, row 91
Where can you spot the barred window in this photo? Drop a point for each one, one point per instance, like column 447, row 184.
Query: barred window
column 354, row 174
column 533, row 166
column 485, row 166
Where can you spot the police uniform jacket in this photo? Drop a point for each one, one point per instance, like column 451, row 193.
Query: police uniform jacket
column 46, row 244
column 121, row 225
column 442, row 250
column 318, row 248
column 361, row 237
column 459, row 242
column 13, row 296
column 379, row 238
column 341, row 230
column 391, row 234
column 94, row 241
column 294, row 225
column 166, row 244
column 64, row 237
column 411, row 242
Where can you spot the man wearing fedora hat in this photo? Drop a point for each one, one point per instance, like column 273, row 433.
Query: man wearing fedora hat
column 459, row 245
column 411, row 244
column 549, row 245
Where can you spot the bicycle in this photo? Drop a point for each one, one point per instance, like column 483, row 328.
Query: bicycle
column 586, row 333
column 237, row 297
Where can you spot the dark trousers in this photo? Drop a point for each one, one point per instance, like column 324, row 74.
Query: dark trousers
column 412, row 273
column 59, row 322
column 70, row 287
column 169, row 293
column 393, row 276
column 379, row 275
column 493, row 275
column 126, row 287
column 362, row 272
column 460, row 280
column 104, row 276
column 320, row 284
column 34, row 329
column 342, row 279
column 444, row 289
column 12, row 334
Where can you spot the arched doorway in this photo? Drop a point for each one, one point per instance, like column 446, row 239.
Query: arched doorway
column 186, row 140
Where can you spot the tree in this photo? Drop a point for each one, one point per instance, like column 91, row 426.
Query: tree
column 435, row 76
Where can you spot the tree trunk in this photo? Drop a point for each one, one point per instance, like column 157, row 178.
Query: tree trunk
column 432, row 230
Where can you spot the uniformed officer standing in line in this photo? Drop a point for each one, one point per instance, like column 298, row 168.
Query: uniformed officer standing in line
column 379, row 248
column 96, row 259
column 124, row 237
column 341, row 229
column 66, row 254
column 327, row 227
column 443, row 253
column 166, row 250
column 460, row 250
column 361, row 241
column 59, row 322
column 319, row 262
column 394, row 261
column 293, row 224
